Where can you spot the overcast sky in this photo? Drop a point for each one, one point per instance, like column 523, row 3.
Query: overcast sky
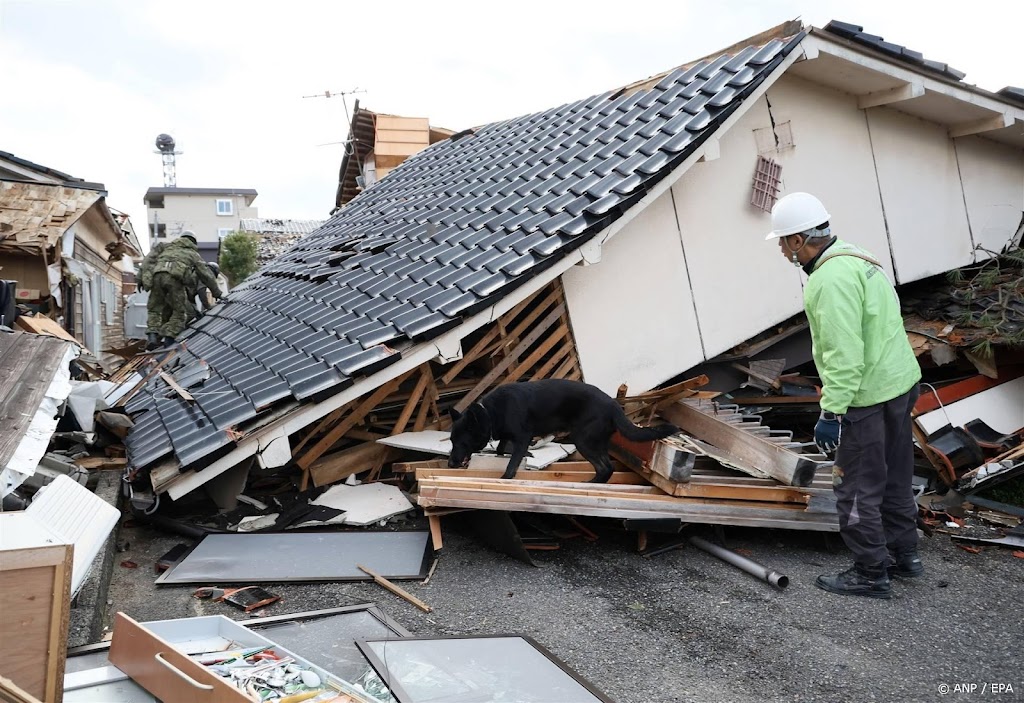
column 86, row 85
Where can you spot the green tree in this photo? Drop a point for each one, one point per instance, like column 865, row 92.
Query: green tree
column 238, row 256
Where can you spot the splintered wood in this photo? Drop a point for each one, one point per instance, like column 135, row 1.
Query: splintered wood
column 531, row 341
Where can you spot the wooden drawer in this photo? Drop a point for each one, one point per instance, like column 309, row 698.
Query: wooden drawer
column 168, row 673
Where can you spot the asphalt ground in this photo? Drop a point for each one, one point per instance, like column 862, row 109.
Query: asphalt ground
column 683, row 625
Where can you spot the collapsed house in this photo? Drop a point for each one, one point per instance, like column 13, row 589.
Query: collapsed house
column 276, row 236
column 617, row 239
column 66, row 253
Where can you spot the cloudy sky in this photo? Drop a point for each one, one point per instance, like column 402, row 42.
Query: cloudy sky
column 86, row 85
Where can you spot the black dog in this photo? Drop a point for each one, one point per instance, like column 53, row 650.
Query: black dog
column 515, row 413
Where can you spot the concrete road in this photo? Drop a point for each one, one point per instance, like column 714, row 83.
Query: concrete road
column 684, row 626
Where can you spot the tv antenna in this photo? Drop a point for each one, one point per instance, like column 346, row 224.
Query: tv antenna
column 165, row 147
column 338, row 94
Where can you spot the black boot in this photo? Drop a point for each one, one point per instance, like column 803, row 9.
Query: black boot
column 168, row 342
column 859, row 580
column 905, row 564
column 152, row 341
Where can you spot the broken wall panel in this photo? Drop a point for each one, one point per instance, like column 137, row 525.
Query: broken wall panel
column 917, row 162
column 301, row 557
column 632, row 315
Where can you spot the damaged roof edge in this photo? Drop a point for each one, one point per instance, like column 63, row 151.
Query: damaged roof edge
column 285, row 426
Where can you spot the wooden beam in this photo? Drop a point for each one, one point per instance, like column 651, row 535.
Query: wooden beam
column 337, row 432
column 333, row 417
column 478, row 350
column 779, row 463
column 552, row 362
column 908, row 91
column 410, row 406
column 354, row 460
column 987, row 124
column 494, row 373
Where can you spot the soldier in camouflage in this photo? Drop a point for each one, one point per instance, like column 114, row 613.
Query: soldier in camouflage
column 145, row 282
column 176, row 275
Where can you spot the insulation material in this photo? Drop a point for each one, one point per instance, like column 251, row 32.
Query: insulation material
column 32, row 447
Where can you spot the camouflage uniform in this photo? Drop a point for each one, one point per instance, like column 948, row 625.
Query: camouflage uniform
column 145, row 282
column 176, row 275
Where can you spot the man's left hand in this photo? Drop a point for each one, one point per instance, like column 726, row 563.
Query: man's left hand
column 828, row 431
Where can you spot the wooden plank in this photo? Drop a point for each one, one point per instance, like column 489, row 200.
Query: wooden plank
column 11, row 692
column 552, row 362
column 435, row 531
column 182, row 393
column 337, row 432
column 494, row 373
column 572, row 476
column 354, row 460
column 410, row 406
column 29, row 365
column 470, row 356
column 567, row 368
column 101, row 462
column 711, row 512
column 400, row 592
column 35, row 584
column 779, row 463
column 45, row 326
column 321, row 426
column 562, row 332
column 123, row 400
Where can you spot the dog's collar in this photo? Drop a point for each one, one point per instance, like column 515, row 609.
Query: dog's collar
column 488, row 416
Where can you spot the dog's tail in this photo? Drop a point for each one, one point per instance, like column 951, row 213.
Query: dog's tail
column 641, row 434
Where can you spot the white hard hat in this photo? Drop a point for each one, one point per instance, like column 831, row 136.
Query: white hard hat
column 796, row 213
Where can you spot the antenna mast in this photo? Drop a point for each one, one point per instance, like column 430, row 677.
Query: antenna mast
column 165, row 147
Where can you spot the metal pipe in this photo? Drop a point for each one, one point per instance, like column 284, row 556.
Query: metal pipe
column 751, row 567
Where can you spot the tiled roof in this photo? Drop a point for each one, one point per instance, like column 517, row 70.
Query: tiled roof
column 857, row 34
column 449, row 232
column 273, row 226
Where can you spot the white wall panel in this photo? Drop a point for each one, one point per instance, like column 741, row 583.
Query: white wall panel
column 832, row 160
column 921, row 192
column 993, row 182
column 632, row 313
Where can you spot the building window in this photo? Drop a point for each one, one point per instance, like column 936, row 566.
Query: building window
column 225, row 207
column 157, row 231
column 223, row 232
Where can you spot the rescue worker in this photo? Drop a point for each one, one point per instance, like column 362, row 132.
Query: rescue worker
column 869, row 377
column 145, row 282
column 170, row 297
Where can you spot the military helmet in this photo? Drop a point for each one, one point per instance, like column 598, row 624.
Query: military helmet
column 189, row 234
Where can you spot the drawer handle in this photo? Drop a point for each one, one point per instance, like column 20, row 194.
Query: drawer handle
column 159, row 656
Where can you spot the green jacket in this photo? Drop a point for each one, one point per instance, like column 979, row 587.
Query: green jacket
column 181, row 259
column 858, row 341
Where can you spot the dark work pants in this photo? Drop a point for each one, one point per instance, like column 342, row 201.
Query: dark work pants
column 872, row 479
